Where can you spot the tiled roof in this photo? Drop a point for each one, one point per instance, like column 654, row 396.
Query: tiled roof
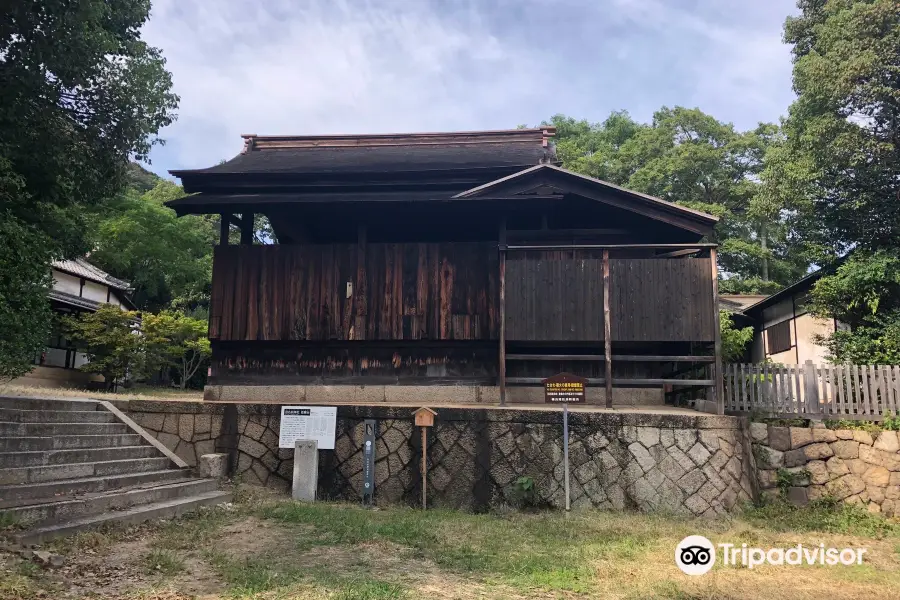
column 517, row 148
column 82, row 268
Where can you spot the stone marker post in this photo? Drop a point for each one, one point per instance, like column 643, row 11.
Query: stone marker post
column 306, row 470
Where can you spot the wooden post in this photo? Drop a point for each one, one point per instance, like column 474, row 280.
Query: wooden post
column 224, row 228
column 607, row 330
column 502, row 311
column 717, row 368
column 246, row 228
column 424, row 468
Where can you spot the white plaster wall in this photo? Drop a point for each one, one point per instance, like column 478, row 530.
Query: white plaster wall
column 94, row 291
column 807, row 328
column 69, row 284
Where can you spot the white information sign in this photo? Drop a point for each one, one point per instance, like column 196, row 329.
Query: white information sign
column 307, row 423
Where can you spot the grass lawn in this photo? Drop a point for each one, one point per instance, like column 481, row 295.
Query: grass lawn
column 266, row 547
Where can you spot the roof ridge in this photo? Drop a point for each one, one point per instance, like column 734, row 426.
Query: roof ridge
column 254, row 142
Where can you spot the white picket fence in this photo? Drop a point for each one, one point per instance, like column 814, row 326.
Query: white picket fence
column 813, row 391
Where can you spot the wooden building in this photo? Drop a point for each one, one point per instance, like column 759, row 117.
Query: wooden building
column 465, row 260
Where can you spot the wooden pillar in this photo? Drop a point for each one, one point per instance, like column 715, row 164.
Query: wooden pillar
column 224, row 228
column 607, row 331
column 246, row 228
column 502, row 365
column 718, row 390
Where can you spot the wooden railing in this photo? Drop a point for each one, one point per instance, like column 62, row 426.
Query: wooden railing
column 813, row 391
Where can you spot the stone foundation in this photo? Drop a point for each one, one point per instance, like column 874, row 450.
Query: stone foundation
column 849, row 465
column 691, row 465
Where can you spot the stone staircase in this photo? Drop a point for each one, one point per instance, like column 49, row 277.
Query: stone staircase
column 70, row 465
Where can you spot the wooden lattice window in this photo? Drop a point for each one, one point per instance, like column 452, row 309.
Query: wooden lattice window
column 778, row 337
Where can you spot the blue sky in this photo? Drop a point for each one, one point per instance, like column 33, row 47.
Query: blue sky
column 365, row 66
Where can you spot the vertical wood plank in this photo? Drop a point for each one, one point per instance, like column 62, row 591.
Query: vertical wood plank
column 745, row 403
column 607, row 331
column 502, row 364
column 714, row 273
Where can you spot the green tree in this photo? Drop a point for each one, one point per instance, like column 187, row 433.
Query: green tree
column 81, row 93
column 24, row 309
column 167, row 259
column 173, row 339
column 838, row 169
column 111, row 339
column 734, row 340
column 690, row 158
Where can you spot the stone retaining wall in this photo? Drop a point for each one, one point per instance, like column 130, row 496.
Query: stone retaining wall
column 848, row 465
column 692, row 465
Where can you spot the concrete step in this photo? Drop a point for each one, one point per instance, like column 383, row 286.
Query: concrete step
column 8, row 429
column 87, row 469
column 145, row 512
column 32, row 493
column 48, row 513
column 83, row 455
column 40, row 404
column 15, row 415
column 68, row 442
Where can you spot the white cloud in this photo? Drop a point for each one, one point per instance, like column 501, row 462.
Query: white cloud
column 360, row 66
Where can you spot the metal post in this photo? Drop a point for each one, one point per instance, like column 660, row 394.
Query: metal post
column 566, row 451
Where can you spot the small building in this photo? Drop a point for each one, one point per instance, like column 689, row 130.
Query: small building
column 454, row 268
column 78, row 286
column 783, row 330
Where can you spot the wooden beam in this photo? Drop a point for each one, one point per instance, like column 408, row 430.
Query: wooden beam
column 622, row 357
column 620, row 381
column 613, row 246
column 677, row 253
column 246, row 228
column 551, row 233
column 717, row 366
column 502, row 241
column 607, row 331
column 224, row 228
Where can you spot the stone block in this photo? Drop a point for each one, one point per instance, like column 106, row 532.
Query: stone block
column 213, row 465
column 185, row 451
column 800, row 437
column 795, row 458
column 709, row 439
column 759, row 432
column 306, row 471
column 152, row 421
column 780, row 438
column 699, row 454
column 821, row 434
column 837, row 466
column 818, row 451
column 666, row 438
column 815, row 492
column 890, row 508
column 254, row 430
column 170, row 425
column 169, row 440
column 800, row 476
column 205, row 447
column 648, row 436
column 873, row 508
column 845, row 486
column 202, row 424
column 642, row 456
column 251, row 447
column 798, row 496
column 876, row 476
column 818, row 472
column 876, row 494
column 769, row 458
column 685, row 439
column 889, row 441
column 856, row 466
column 696, row 504
column 845, row 449
column 888, row 460
column 843, row 434
column 186, row 427
column 767, row 479
column 863, row 437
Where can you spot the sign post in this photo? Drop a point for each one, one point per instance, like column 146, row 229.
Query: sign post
column 371, row 433
column 563, row 389
column 424, row 419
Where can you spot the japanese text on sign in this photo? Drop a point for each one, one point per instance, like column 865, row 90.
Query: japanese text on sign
column 564, row 388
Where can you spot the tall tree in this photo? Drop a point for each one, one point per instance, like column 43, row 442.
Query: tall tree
column 80, row 94
column 838, row 170
column 689, row 157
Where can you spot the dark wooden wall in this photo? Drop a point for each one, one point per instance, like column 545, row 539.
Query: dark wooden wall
column 558, row 296
column 446, row 291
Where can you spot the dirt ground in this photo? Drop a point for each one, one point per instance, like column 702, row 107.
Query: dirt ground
column 268, row 548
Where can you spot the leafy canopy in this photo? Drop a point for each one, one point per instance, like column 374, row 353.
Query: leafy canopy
column 81, row 93
column 172, row 339
column 110, row 337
